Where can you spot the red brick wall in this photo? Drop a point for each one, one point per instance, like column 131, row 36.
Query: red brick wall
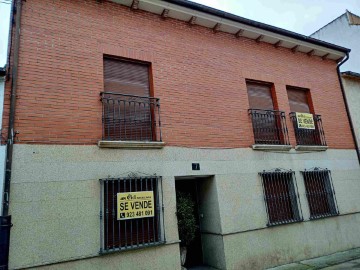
column 198, row 75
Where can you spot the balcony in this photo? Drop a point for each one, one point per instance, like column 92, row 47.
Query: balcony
column 130, row 121
column 270, row 130
column 309, row 139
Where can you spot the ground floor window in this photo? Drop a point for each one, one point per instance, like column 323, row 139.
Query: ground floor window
column 320, row 193
column 131, row 213
column 281, row 196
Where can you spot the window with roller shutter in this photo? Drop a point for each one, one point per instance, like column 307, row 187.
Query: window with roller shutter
column 269, row 125
column 129, row 112
column 299, row 101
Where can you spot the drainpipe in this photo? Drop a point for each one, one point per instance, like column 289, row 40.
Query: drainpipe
column 347, row 106
column 5, row 219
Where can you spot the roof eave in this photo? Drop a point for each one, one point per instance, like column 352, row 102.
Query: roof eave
column 233, row 24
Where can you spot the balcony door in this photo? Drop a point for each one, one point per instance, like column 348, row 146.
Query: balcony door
column 266, row 121
column 128, row 109
column 299, row 102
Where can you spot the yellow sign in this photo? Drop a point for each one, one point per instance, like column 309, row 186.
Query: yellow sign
column 132, row 205
column 305, row 120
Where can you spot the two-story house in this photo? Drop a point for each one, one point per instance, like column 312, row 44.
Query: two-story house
column 122, row 104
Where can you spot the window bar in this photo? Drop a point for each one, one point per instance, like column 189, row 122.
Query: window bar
column 153, row 218
column 322, row 194
column 118, row 221
column 124, row 115
column 107, row 118
column 107, row 216
column 148, row 221
column 101, row 216
column 333, row 191
column 265, row 199
column 125, row 221
column 157, row 210
column 163, row 210
column 137, row 220
column 113, row 216
column 119, row 119
column 131, row 221
column 142, row 220
column 285, row 197
column 274, row 199
column 298, row 203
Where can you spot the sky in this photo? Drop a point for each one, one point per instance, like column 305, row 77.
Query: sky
column 300, row 16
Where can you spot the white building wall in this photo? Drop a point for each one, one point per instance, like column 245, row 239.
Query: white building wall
column 339, row 32
column 352, row 88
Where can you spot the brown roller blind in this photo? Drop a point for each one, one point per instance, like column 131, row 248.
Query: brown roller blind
column 126, row 77
column 298, row 100
column 260, row 96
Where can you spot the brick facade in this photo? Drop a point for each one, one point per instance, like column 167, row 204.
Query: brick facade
column 198, row 75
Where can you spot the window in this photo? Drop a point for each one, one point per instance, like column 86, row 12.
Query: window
column 269, row 125
column 300, row 101
column 137, row 227
column 129, row 112
column 320, row 193
column 281, row 196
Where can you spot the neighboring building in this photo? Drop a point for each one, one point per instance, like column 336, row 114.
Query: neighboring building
column 271, row 186
column 2, row 147
column 345, row 31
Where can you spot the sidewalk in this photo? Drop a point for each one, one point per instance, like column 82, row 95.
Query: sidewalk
column 349, row 259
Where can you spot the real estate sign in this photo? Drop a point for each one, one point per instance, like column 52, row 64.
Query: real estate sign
column 305, row 120
column 132, row 205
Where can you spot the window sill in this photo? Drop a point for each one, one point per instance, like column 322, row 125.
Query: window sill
column 131, row 144
column 274, row 147
column 311, row 148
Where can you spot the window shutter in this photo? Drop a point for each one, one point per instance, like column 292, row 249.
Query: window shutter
column 298, row 100
column 126, row 77
column 260, row 96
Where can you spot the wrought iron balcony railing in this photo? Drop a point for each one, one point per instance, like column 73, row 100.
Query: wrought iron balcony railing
column 130, row 118
column 315, row 137
column 269, row 127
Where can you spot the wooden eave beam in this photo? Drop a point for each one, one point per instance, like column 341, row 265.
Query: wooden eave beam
column 216, row 28
column 192, row 20
column 135, row 4
column 259, row 38
column 165, row 13
column 325, row 56
column 295, row 48
column 311, row 53
column 278, row 44
column 239, row 33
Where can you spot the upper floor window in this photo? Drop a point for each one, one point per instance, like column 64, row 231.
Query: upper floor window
column 311, row 133
column 269, row 125
column 129, row 111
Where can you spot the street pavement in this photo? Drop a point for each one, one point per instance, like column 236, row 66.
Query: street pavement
column 349, row 259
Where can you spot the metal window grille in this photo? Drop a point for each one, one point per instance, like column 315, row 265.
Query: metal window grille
column 309, row 136
column 130, row 118
column 281, row 197
column 320, row 193
column 269, row 127
column 117, row 235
